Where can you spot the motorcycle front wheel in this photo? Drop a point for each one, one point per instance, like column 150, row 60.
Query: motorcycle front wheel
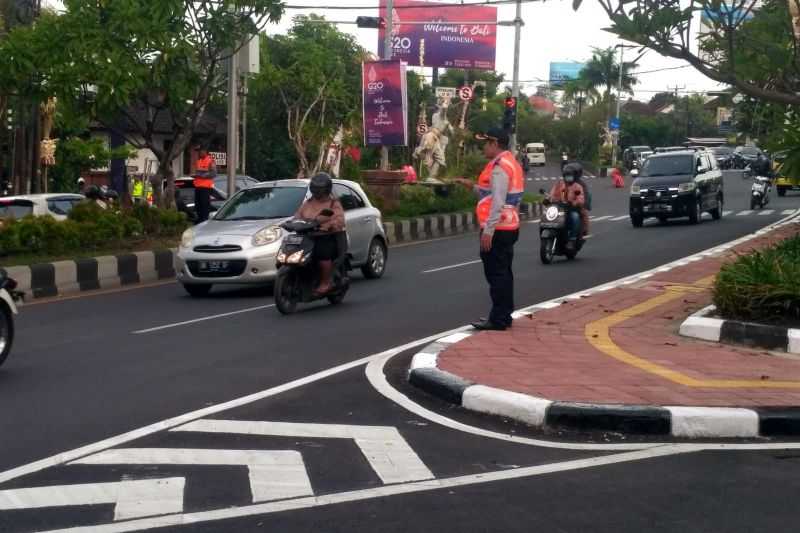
column 285, row 291
column 546, row 251
column 753, row 203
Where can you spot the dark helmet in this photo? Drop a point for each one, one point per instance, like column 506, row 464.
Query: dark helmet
column 573, row 169
column 321, row 185
column 94, row 193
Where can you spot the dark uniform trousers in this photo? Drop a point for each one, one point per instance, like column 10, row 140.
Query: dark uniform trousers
column 202, row 203
column 497, row 268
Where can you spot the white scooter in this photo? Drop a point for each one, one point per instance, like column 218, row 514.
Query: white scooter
column 8, row 308
column 759, row 192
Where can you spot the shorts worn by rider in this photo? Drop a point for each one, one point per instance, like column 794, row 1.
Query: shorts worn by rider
column 573, row 195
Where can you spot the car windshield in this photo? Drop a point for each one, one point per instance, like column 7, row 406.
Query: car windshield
column 535, row 150
column 668, row 166
column 262, row 203
column 15, row 208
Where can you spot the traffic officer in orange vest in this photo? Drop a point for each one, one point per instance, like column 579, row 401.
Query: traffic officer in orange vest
column 500, row 189
column 205, row 172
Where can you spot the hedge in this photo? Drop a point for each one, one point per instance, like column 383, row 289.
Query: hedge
column 763, row 286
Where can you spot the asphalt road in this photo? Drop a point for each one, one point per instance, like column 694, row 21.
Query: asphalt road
column 90, row 368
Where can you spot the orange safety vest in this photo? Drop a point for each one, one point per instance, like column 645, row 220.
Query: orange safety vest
column 202, row 177
column 509, row 217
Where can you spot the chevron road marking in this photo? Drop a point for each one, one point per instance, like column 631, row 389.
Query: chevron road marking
column 133, row 499
column 385, row 449
column 274, row 474
column 767, row 212
column 743, row 213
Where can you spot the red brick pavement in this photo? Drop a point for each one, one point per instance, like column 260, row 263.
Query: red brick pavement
column 548, row 354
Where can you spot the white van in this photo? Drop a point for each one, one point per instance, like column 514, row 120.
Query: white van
column 535, row 154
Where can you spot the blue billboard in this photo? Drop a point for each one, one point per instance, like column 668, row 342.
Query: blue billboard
column 564, row 71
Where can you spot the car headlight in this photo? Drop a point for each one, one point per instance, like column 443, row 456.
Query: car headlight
column 551, row 213
column 687, row 187
column 187, row 238
column 266, row 236
column 636, row 189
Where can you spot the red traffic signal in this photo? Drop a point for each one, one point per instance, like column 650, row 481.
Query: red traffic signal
column 511, row 102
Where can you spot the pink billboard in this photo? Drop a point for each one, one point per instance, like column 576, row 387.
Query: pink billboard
column 385, row 103
column 453, row 36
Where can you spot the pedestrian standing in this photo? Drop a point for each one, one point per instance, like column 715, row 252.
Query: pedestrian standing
column 206, row 171
column 500, row 188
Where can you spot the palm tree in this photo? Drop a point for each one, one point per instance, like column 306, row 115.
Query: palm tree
column 602, row 71
column 580, row 91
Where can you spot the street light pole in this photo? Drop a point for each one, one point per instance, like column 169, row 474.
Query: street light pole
column 615, row 138
column 387, row 55
column 233, row 121
column 515, row 83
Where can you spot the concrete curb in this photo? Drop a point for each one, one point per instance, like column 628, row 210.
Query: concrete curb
column 47, row 280
column 701, row 326
column 677, row 421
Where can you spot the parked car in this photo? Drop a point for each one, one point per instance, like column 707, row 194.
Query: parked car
column 240, row 243
column 744, row 156
column 641, row 157
column 242, row 182
column 631, row 154
column 56, row 205
column 724, row 156
column 184, row 197
column 677, row 184
column 535, row 152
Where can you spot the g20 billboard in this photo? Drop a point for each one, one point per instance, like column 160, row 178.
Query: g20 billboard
column 449, row 36
column 561, row 72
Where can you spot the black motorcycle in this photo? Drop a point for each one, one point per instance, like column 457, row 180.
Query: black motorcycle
column 298, row 272
column 554, row 235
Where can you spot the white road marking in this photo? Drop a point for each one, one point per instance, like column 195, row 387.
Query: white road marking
column 202, row 319
column 133, row 499
column 598, row 219
column 765, row 213
column 381, row 492
column 274, row 474
column 743, row 213
column 617, row 219
column 385, row 449
column 726, row 213
column 450, row 267
column 787, row 211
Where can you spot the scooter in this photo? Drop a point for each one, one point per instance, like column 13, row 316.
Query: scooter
column 298, row 273
column 554, row 235
column 759, row 193
column 8, row 298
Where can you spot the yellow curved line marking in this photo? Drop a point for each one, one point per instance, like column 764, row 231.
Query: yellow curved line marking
column 598, row 333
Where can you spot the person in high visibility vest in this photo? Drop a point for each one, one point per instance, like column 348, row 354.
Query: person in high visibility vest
column 205, row 172
column 138, row 190
column 500, row 188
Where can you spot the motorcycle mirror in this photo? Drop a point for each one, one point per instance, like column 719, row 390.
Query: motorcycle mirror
column 326, row 213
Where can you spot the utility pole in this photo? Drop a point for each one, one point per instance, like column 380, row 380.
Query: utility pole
column 243, row 163
column 233, row 120
column 518, row 23
column 615, row 137
column 387, row 55
column 675, row 111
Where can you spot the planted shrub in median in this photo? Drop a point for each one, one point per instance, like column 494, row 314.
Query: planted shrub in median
column 88, row 228
column 763, row 286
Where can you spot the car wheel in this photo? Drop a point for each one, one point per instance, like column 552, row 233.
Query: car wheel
column 376, row 260
column 637, row 221
column 197, row 291
column 781, row 191
column 697, row 212
column 284, row 291
column 6, row 332
column 716, row 213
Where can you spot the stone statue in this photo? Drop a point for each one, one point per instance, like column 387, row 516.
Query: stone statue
column 433, row 144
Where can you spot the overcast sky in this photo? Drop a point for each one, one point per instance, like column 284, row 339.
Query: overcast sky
column 552, row 32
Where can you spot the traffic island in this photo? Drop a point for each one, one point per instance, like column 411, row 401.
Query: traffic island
column 611, row 359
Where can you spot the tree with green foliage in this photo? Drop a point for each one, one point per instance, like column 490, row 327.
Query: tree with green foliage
column 315, row 71
column 122, row 60
column 602, row 72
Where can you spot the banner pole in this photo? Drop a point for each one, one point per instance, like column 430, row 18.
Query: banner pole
column 515, row 83
column 387, row 55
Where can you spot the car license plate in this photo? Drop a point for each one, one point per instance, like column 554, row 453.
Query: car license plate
column 657, row 207
column 214, row 266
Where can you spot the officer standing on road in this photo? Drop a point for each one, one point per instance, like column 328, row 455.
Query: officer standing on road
column 500, row 189
column 206, row 171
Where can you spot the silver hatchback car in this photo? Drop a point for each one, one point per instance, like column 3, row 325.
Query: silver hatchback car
column 240, row 242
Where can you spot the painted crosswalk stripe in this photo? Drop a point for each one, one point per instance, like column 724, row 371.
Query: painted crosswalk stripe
column 387, row 452
column 726, row 213
column 132, row 499
column 743, row 213
column 765, row 213
column 617, row 219
column 787, row 211
column 274, row 474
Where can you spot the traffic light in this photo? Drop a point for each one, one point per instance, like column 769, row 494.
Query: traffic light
column 9, row 119
column 510, row 115
column 370, row 22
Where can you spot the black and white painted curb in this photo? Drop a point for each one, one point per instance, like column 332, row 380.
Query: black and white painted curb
column 703, row 326
column 46, row 280
column 677, row 421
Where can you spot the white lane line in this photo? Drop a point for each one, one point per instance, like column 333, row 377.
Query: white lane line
column 450, row 267
column 726, row 213
column 132, row 499
column 787, row 211
column 380, row 492
column 203, row 319
column 274, row 474
column 385, row 449
column 617, row 219
column 765, row 213
column 743, row 213
column 598, row 219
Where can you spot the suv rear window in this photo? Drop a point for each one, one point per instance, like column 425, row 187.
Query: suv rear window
column 15, row 208
column 668, row 166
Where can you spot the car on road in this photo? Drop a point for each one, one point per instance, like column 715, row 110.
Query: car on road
column 783, row 182
column 56, row 205
column 724, row 156
column 677, row 184
column 743, row 156
column 184, row 197
column 667, row 149
column 632, row 154
column 535, row 152
column 240, row 243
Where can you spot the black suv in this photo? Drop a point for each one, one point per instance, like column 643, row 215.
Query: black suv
column 677, row 184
